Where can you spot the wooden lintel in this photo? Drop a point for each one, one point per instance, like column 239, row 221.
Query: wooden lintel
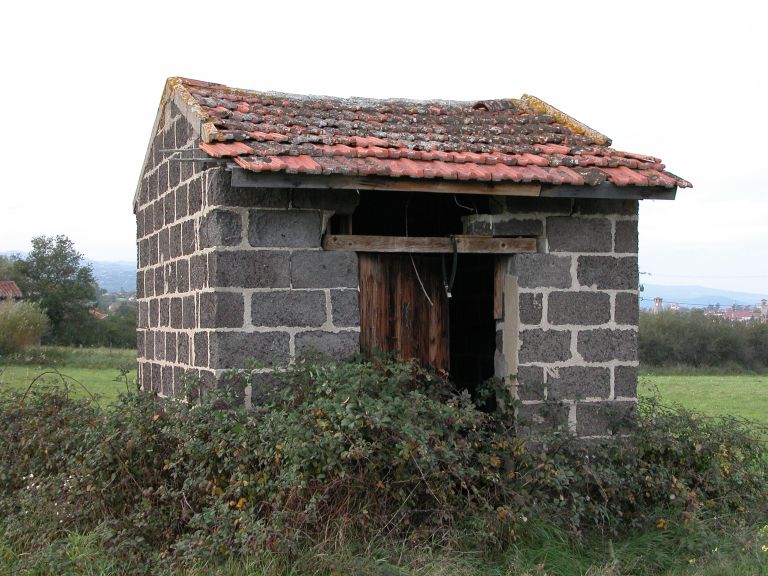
column 247, row 179
column 428, row 244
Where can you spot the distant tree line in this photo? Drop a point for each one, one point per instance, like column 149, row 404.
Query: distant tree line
column 60, row 295
column 670, row 338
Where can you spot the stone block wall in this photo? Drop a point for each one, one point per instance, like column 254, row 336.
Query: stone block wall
column 574, row 335
column 271, row 293
column 234, row 278
column 168, row 207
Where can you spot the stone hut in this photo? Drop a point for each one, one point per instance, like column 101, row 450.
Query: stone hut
column 490, row 238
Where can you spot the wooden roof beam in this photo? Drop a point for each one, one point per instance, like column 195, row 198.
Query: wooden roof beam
column 247, row 179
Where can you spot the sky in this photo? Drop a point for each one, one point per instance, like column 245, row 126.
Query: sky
column 683, row 81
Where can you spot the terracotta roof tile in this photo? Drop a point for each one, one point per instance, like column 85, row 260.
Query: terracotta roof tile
column 524, row 140
column 9, row 290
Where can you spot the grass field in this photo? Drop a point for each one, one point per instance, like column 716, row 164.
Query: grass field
column 84, row 371
column 735, row 395
column 81, row 382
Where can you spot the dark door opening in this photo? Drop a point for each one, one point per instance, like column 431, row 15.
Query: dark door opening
column 472, row 325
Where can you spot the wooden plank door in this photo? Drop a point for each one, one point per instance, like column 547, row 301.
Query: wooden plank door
column 395, row 315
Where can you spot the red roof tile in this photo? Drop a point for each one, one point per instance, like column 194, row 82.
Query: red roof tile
column 513, row 140
column 9, row 290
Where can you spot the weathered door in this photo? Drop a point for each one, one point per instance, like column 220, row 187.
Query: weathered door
column 395, row 315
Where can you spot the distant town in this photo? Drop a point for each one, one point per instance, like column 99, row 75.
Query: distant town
column 735, row 312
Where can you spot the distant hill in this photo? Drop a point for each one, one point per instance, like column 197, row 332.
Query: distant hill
column 115, row 276
column 696, row 296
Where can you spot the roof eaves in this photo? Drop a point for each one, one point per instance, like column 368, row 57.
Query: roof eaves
column 542, row 107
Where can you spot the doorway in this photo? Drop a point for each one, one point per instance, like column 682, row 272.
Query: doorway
column 404, row 308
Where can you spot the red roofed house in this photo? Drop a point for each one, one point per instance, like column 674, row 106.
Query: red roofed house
column 740, row 315
column 488, row 238
column 9, row 291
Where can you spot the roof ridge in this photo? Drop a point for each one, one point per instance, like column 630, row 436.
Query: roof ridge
column 539, row 105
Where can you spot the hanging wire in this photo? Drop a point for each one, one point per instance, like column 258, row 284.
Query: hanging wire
column 460, row 205
column 413, row 262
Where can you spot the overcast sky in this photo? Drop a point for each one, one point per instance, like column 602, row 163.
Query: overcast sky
column 685, row 82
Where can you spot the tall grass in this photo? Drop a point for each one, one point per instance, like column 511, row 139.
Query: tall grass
column 543, row 551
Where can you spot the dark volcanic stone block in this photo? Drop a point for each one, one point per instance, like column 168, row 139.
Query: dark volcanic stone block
column 238, row 349
column 339, row 345
column 318, row 269
column 530, row 308
column 182, row 349
column 626, row 236
column 576, row 382
column 542, row 271
column 530, row 382
column 627, row 308
column 288, row 308
column 250, row 269
column 201, row 348
column 625, row 382
column 195, row 195
column 603, row 345
column 188, row 312
column 198, row 272
column 221, row 309
column 588, row 308
column 221, row 228
column 345, row 305
column 284, row 228
column 570, row 234
column 608, row 272
column 544, row 345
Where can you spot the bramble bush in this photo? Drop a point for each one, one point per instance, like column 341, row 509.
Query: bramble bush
column 21, row 325
column 350, row 452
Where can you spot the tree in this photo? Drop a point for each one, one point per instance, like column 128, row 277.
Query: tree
column 8, row 267
column 54, row 276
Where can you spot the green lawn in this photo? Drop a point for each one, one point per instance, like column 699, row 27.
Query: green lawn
column 735, row 395
column 85, row 371
column 82, row 382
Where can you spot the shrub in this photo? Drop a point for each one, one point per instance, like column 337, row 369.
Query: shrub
column 693, row 339
column 21, row 325
column 357, row 451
